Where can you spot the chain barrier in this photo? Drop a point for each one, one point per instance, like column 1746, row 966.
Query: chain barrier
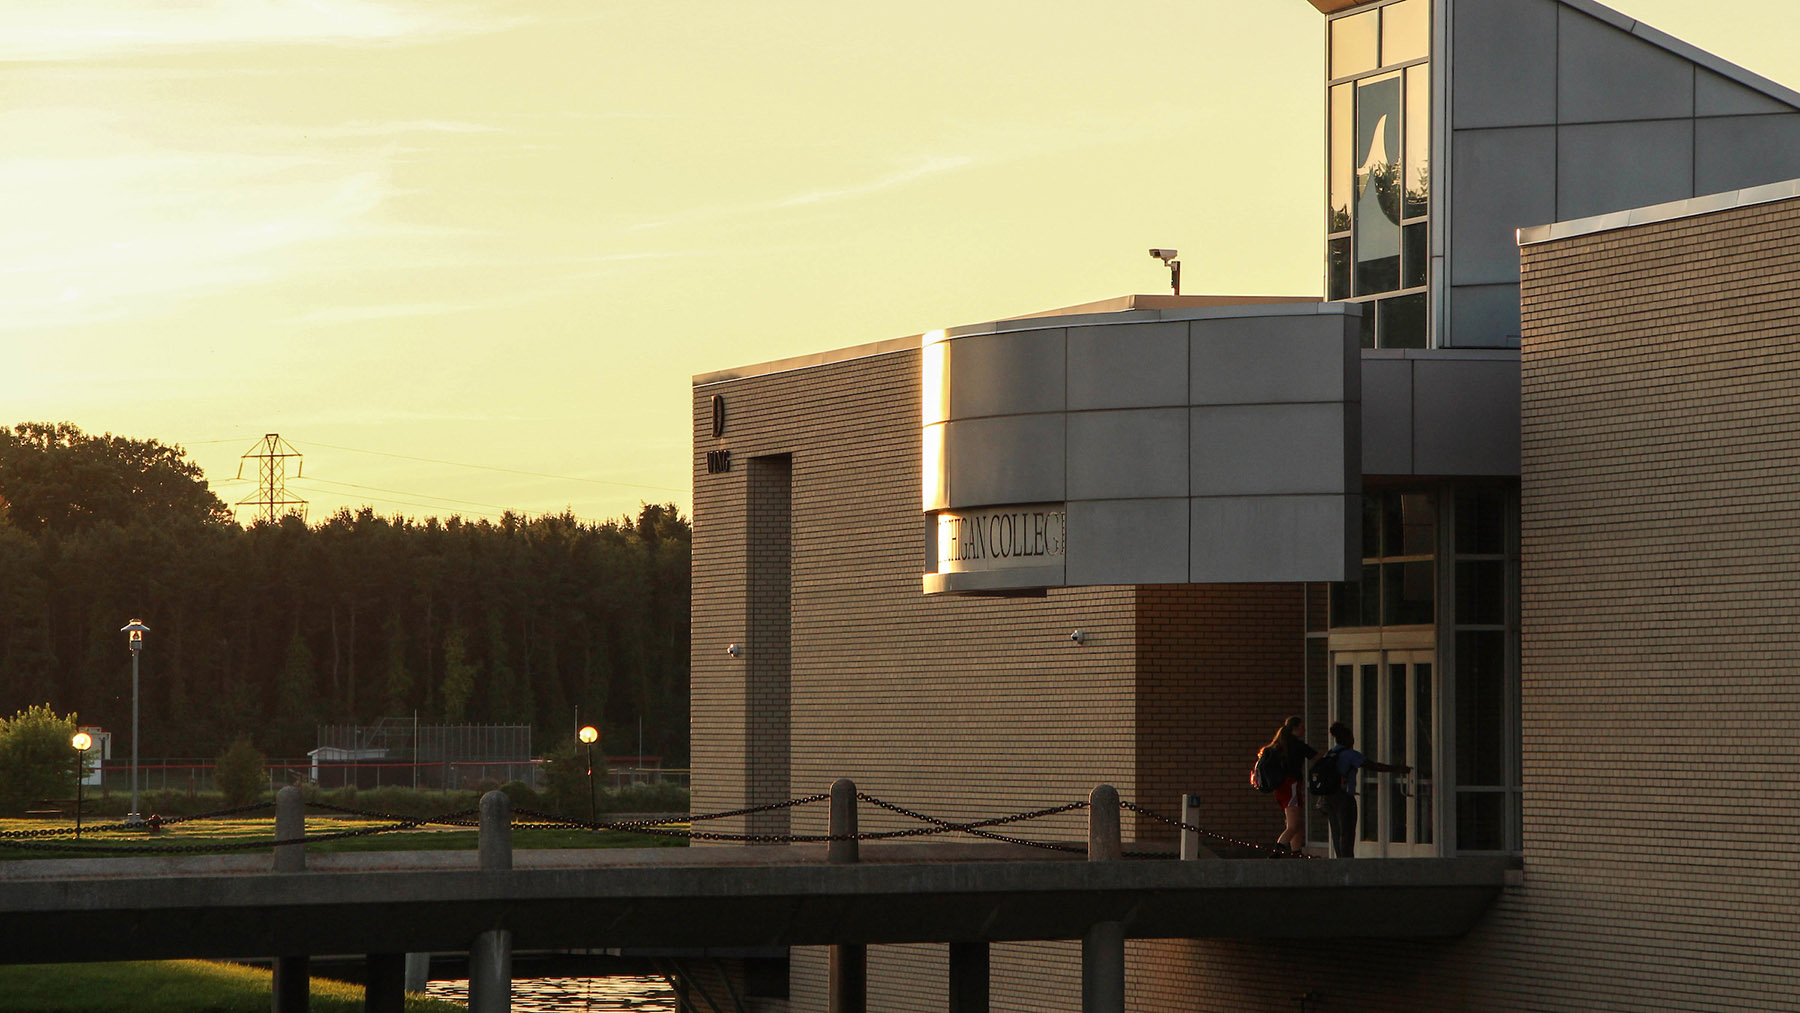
column 36, row 840
column 975, row 828
column 1153, row 814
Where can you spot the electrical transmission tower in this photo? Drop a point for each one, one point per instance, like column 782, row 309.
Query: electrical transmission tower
column 271, row 499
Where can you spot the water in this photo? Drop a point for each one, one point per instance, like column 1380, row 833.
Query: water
column 621, row 994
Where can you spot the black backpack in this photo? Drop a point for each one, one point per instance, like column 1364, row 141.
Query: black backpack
column 1325, row 777
column 1268, row 773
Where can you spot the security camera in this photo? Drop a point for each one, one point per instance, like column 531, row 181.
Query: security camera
column 1164, row 255
column 1079, row 636
column 734, row 650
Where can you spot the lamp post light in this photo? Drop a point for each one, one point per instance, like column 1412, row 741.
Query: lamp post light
column 81, row 741
column 136, row 630
column 588, row 734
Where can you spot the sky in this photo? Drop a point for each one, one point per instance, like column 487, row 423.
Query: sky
column 467, row 256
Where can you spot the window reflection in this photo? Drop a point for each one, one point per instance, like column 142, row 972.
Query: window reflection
column 1405, row 31
column 1343, row 153
column 1418, row 140
column 1353, row 43
column 1377, row 207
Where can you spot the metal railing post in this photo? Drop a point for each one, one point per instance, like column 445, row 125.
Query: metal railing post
column 1103, row 948
column 1191, row 848
column 848, row 988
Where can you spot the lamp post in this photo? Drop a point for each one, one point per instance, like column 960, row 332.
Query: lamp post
column 81, row 741
column 136, row 630
column 588, row 734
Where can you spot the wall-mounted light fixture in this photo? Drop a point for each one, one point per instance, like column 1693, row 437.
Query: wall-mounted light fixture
column 734, row 650
column 1079, row 636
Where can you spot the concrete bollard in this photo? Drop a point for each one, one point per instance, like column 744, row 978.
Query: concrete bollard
column 968, row 978
column 418, row 971
column 293, row 972
column 848, row 986
column 384, row 983
column 290, row 824
column 1191, row 848
column 1103, row 948
column 490, row 957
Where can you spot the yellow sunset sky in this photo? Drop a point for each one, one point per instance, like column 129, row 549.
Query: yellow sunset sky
column 466, row 256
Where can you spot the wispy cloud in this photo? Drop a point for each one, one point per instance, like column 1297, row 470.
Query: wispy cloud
column 391, row 311
column 55, row 30
column 933, row 165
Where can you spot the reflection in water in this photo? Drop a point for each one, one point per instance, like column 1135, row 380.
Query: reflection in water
column 620, row 994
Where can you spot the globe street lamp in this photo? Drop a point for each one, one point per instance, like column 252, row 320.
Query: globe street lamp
column 81, row 741
column 588, row 734
column 136, row 629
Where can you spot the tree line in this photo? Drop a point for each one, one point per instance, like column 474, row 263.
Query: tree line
column 271, row 630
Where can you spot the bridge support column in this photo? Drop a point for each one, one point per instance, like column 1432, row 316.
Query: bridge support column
column 1191, row 848
column 1103, row 948
column 848, row 990
column 490, row 958
column 968, row 978
column 384, row 983
column 418, row 971
column 293, row 972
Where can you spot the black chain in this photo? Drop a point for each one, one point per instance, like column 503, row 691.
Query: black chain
column 975, row 827
column 1267, row 849
column 157, row 822
column 212, row 848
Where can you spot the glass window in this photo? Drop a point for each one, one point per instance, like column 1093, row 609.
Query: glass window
column 1353, row 43
column 1400, row 321
column 1339, row 270
column 1481, row 521
column 1377, row 197
column 1345, row 703
column 1405, row 31
column 1343, row 158
column 1368, row 785
column 1415, row 255
column 1366, row 326
column 1423, row 744
column 1407, row 594
column 1411, row 520
column 1481, row 592
column 1481, row 821
column 1395, row 750
column 1418, row 140
column 1481, row 718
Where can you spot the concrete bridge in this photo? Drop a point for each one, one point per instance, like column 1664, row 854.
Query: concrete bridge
column 838, row 894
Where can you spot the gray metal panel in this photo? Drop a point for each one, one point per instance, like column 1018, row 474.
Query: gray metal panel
column 1128, row 366
column 1264, row 450
column 1505, row 179
column 1605, row 74
column 1485, row 316
column 1004, row 374
column 1017, row 459
column 1715, row 95
column 1272, row 538
column 1128, row 454
column 1142, row 541
column 1256, row 360
column 1746, row 151
column 1467, row 416
column 1605, row 167
column 1504, row 65
column 1387, row 416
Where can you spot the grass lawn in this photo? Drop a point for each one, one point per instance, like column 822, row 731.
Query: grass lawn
column 220, row 831
column 173, row 986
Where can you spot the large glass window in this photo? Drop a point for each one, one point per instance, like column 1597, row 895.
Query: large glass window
column 1378, row 173
column 1399, row 575
column 1488, row 789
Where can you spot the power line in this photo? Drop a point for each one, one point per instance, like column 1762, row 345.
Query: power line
column 408, row 492
column 489, row 467
column 404, row 502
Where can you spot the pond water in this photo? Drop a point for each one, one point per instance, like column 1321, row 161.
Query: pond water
column 618, row 994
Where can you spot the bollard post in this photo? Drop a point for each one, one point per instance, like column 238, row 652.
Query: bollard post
column 848, row 986
column 1103, row 948
column 384, row 983
column 418, row 971
column 1191, row 848
column 293, row 972
column 490, row 958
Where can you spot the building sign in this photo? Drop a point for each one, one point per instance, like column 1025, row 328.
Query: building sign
column 1002, row 538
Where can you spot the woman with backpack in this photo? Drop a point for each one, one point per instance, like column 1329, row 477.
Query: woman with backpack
column 1287, row 753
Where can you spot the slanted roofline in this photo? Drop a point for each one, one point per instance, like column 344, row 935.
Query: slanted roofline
column 1636, row 28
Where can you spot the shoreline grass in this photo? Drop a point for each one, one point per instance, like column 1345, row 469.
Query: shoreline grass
column 123, row 843
column 171, row 986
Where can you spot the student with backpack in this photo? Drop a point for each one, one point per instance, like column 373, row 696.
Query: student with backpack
column 1333, row 782
column 1280, row 765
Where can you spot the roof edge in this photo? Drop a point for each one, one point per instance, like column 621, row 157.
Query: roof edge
column 1767, row 193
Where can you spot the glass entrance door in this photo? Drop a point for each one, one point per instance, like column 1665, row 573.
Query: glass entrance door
column 1389, row 700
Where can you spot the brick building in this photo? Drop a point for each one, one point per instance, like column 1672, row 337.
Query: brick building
column 1528, row 530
